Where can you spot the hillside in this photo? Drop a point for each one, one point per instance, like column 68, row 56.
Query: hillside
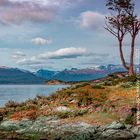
column 17, row 76
column 100, row 110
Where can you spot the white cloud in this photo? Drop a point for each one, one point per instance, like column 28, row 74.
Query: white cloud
column 18, row 55
column 41, row 41
column 64, row 53
column 91, row 20
column 26, row 61
column 21, row 59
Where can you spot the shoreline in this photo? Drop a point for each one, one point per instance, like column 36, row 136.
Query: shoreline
column 99, row 110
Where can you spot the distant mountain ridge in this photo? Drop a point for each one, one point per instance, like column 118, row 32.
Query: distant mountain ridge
column 75, row 74
column 17, row 76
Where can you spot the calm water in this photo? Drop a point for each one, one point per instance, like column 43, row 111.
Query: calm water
column 21, row 93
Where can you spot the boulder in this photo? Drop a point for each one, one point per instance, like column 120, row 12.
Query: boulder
column 15, row 125
column 116, row 125
column 74, row 131
column 112, row 134
column 128, row 126
column 44, row 124
column 62, row 109
column 136, row 130
column 52, row 128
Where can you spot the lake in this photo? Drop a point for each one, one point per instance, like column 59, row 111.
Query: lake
column 20, row 93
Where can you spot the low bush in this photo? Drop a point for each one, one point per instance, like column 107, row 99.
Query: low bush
column 11, row 104
column 73, row 113
column 129, row 119
column 81, row 85
column 84, row 100
column 127, row 85
column 98, row 87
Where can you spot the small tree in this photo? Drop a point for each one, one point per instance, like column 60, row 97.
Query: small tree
column 121, row 22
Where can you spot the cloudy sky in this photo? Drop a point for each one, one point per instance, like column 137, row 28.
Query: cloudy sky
column 57, row 34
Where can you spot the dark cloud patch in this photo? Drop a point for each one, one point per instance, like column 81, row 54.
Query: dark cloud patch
column 17, row 12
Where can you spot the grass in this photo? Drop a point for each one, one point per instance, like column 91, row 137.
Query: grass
column 96, row 118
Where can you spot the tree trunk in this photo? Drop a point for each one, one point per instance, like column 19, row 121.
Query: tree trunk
column 131, row 69
column 121, row 55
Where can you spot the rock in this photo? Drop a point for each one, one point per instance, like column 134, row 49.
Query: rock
column 73, row 101
column 80, row 136
column 42, row 125
column 116, row 125
column 136, row 130
column 102, row 128
column 9, row 125
column 25, row 123
column 62, row 109
column 112, row 134
column 128, row 126
column 74, row 131
column 15, row 125
column 52, row 128
column 137, row 138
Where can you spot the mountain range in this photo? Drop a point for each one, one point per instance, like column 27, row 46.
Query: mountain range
column 19, row 76
column 75, row 74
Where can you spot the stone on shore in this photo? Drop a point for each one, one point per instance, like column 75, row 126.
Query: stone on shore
column 116, row 125
column 53, row 128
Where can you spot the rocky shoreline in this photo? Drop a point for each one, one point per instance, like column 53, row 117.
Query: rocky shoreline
column 52, row 128
column 84, row 111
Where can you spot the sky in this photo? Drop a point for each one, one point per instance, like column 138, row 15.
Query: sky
column 57, row 34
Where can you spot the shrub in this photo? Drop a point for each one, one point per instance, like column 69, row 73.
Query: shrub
column 3, row 112
column 98, row 87
column 132, row 78
column 129, row 119
column 114, row 76
column 107, row 83
column 64, row 103
column 84, row 100
column 127, row 85
column 63, row 114
column 30, row 114
column 81, row 85
column 11, row 104
column 73, row 113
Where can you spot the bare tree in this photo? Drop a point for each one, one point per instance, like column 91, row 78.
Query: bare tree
column 121, row 22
